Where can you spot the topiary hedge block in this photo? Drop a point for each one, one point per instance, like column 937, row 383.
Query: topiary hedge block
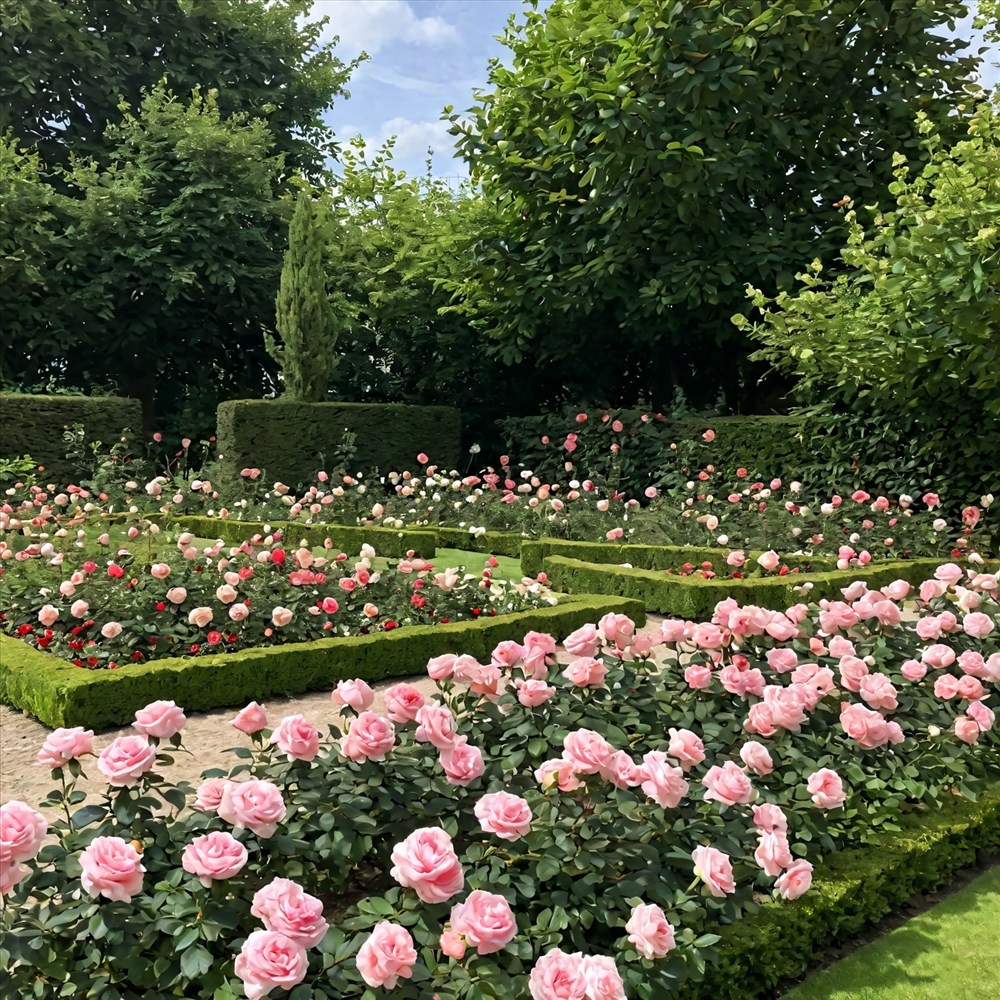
column 851, row 891
column 656, row 557
column 60, row 694
column 345, row 538
column 33, row 425
column 695, row 598
column 495, row 543
column 292, row 441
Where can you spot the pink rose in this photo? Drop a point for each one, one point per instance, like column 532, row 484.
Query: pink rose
column 216, row 855
column 742, row 682
column 64, row 745
column 583, row 642
column 756, row 757
column 532, row 693
column 159, row 571
column 436, row 726
column 672, row 631
column 913, row 671
column 698, row 676
column 507, row 654
column 949, row 574
column 160, row 719
column 617, row 629
column 661, row 781
column 589, row 752
column 123, row 760
column 603, row 980
column 355, row 694
column 649, row 931
column 226, row 594
column 284, row 906
column 22, row 830
column 686, row 748
column 622, row 771
column 795, row 881
column 209, row 794
column 199, row 616
column 558, row 772
column 773, row 853
column 427, row 863
column 878, row 691
column 238, row 612
column 281, row 617
column 558, row 976
column 177, row 595
column 111, row 630
column 769, row 560
column 967, row 729
column 770, row 818
column 441, row 667
column 79, row 609
column 298, row 738
column 508, row 816
column 983, row 715
column 462, row 763
column 938, row 656
column 977, row 625
column 251, row 719
column 485, row 920
column 403, row 702
column 586, row 672
column 387, row 956
column 728, row 785
column 452, row 944
column 268, row 960
column 852, row 670
column 781, row 660
column 368, row 737
column 255, row 805
column 10, row 875
column 48, row 615
column 714, row 869
column 112, row 868
column 826, row 788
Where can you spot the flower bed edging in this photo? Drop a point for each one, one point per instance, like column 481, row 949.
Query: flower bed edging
column 60, row 694
column 695, row 598
column 851, row 890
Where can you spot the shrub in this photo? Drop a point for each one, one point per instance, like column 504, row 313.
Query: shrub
column 612, row 819
column 33, row 425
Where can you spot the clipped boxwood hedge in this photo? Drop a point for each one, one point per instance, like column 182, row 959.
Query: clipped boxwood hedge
column 661, row 557
column 292, row 441
column 695, row 598
column 33, row 425
column 60, row 694
column 496, row 543
column 346, row 538
column 852, row 890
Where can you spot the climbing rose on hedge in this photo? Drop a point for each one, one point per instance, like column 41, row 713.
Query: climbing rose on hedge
column 269, row 959
column 387, row 956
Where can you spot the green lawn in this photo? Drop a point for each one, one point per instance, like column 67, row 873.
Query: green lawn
column 950, row 952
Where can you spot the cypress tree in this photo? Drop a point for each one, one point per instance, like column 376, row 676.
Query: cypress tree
column 305, row 318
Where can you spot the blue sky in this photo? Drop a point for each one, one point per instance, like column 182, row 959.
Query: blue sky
column 426, row 54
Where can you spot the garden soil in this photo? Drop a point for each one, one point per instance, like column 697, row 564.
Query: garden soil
column 207, row 736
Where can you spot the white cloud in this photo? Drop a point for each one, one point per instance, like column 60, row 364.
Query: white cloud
column 413, row 139
column 369, row 25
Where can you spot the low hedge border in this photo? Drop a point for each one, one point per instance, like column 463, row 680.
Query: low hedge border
column 695, row 598
column 60, row 694
column 851, row 891
column 661, row 557
column 346, row 538
column 494, row 543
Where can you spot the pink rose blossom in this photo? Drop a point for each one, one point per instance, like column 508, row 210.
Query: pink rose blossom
column 508, row 816
column 878, row 691
column 603, row 980
column 781, row 660
column 769, row 818
column 125, row 759
column 826, row 788
column 403, row 702
column 216, row 855
column 64, row 745
column 251, row 719
column 649, row 931
column 441, row 667
column 914, row 671
column 255, row 805
column 558, row 772
column 284, row 906
column 714, row 869
column 426, row 862
column 769, row 560
column 983, row 715
column 795, row 881
column 967, row 729
column 160, row 719
column 268, row 960
column 462, row 763
column 756, row 757
column 177, row 595
column 112, row 868
column 589, row 752
column 532, row 693
column 977, row 625
column 686, row 748
column 661, row 781
column 585, row 641
column 617, row 629
column 209, row 794
column 938, row 656
column 22, row 830
column 698, row 676
column 387, row 956
column 586, row 672
column 485, row 920
column 436, row 726
column 10, row 875
column 356, row 694
column 199, row 617
column 558, row 976
column 773, row 853
column 852, row 670
column 296, row 737
column 368, row 737
column 280, row 617
column 727, row 785
column 622, row 771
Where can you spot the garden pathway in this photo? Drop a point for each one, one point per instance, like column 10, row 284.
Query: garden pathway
column 207, row 735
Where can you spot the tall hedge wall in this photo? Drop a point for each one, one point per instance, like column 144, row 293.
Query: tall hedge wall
column 33, row 425
column 292, row 441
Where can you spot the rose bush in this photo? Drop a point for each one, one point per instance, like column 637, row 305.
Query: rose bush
column 596, row 845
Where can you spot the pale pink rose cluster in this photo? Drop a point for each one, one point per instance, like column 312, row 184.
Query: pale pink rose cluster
column 276, row 957
column 868, row 728
column 773, row 854
column 559, row 975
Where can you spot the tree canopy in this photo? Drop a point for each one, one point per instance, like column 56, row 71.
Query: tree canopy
column 648, row 160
